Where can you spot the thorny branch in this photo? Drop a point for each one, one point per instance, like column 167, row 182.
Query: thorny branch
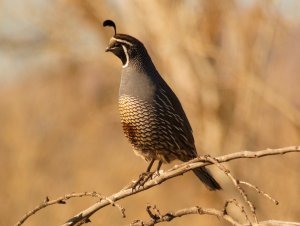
column 239, row 206
column 236, row 183
column 169, row 216
column 60, row 200
column 84, row 215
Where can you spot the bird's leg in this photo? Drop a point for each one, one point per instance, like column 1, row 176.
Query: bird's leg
column 159, row 165
column 144, row 177
column 150, row 166
column 148, row 174
column 158, row 168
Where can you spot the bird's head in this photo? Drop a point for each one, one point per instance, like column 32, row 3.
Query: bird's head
column 125, row 47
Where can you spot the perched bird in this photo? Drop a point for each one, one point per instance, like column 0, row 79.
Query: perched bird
column 152, row 117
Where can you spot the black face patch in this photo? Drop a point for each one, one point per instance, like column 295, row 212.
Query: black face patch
column 126, row 48
column 119, row 52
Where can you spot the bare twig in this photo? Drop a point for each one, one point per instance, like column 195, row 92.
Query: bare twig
column 278, row 223
column 63, row 199
column 259, row 191
column 169, row 216
column 122, row 209
column 237, row 204
column 237, row 185
column 60, row 200
column 258, row 154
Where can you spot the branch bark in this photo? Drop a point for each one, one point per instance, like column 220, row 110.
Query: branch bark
column 61, row 200
column 169, row 216
column 173, row 172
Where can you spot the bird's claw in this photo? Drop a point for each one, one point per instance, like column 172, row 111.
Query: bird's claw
column 143, row 178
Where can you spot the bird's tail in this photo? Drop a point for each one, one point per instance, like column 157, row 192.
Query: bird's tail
column 204, row 175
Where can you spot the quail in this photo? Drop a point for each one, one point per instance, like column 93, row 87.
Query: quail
column 152, row 117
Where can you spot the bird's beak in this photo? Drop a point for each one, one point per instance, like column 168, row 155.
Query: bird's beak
column 110, row 46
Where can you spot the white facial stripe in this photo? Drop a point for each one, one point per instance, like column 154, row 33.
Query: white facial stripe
column 123, row 41
column 127, row 57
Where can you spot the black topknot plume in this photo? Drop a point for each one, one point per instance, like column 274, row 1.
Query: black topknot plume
column 110, row 23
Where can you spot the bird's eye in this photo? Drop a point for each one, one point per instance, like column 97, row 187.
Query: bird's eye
column 117, row 45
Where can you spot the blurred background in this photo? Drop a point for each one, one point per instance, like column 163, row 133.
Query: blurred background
column 234, row 65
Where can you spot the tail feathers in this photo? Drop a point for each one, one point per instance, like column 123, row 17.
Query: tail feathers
column 204, row 175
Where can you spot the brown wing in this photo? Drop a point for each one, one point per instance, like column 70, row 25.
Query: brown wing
column 170, row 110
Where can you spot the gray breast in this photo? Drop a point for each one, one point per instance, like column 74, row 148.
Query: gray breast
column 136, row 84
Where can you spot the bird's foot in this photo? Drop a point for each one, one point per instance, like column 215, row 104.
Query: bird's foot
column 143, row 178
column 156, row 173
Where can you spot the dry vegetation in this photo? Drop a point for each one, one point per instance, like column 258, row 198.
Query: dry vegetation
column 235, row 69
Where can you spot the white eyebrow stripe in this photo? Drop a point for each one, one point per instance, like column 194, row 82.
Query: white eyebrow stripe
column 123, row 41
column 127, row 57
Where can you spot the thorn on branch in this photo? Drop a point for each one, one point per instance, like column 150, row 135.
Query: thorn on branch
column 169, row 216
column 81, row 221
column 152, row 215
column 88, row 220
column 46, row 199
column 199, row 210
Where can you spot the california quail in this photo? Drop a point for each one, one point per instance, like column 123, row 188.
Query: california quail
column 152, row 117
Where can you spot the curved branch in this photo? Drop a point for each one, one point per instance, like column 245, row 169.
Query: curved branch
column 60, row 200
column 173, row 172
column 169, row 216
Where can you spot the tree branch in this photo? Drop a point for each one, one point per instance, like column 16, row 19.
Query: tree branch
column 169, row 216
column 84, row 215
column 176, row 171
column 60, row 200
